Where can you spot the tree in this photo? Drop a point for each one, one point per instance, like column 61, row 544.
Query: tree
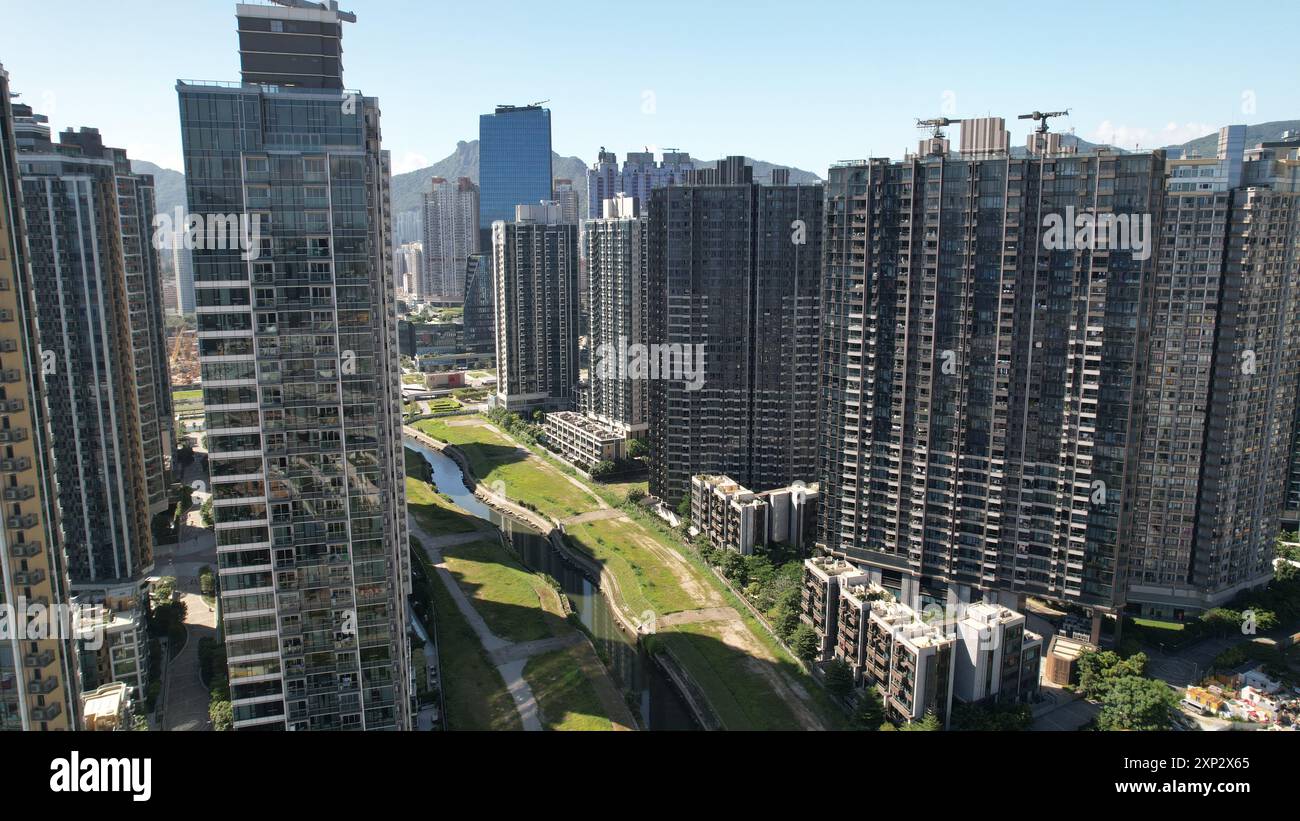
column 1098, row 670
column 635, row 495
column 636, row 448
column 684, row 507
column 928, row 723
column 1135, row 703
column 804, row 642
column 602, row 469
column 1221, row 620
column 222, row 715
column 839, row 679
column 733, row 567
column 868, row 713
column 205, row 512
column 785, row 622
column 164, row 588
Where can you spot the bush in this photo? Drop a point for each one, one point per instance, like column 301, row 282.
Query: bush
column 207, row 581
column 602, row 469
column 636, row 449
column 995, row 717
column 635, row 495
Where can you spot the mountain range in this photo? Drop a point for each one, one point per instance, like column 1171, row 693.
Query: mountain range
column 169, row 185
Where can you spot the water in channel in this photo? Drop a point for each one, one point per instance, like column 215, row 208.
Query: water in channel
column 660, row 706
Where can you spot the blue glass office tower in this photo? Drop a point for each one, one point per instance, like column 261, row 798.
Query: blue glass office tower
column 514, row 161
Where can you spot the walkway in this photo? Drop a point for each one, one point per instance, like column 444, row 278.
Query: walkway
column 186, row 705
column 512, row 671
column 187, row 696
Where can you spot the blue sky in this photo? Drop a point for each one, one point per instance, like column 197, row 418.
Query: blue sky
column 801, row 83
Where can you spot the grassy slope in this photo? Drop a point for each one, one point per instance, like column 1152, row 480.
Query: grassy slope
column 567, row 699
column 516, row 603
column 475, row 693
column 739, row 692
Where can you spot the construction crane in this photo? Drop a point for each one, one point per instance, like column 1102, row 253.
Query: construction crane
column 937, row 125
column 1042, row 117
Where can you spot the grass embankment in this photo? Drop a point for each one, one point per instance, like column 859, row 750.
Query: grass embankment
column 518, row 606
column 565, row 695
column 496, row 458
column 474, row 691
column 738, row 665
column 435, row 511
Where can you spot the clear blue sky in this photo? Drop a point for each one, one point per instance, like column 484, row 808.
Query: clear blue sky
column 801, row 83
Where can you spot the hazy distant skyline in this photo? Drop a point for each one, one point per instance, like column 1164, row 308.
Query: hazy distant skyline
column 799, row 84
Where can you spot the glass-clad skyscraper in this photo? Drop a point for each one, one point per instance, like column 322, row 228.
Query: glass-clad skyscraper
column 298, row 347
column 514, row 161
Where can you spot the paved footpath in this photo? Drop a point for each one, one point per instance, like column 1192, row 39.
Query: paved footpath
column 508, row 657
column 187, row 697
column 511, row 672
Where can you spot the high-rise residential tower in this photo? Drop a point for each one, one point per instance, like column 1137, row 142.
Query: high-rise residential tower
column 979, row 374
column 566, row 196
column 535, row 271
column 615, row 250
column 38, row 679
column 451, row 235
column 480, row 305
column 85, row 248
column 143, row 271
column 514, row 161
column 639, row 175
column 299, row 352
column 1220, row 399
column 733, row 280
column 1060, row 375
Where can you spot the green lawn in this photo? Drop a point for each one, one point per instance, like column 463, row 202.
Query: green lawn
column 181, row 397
column 516, row 604
column 644, row 580
column 566, row 697
column 1155, row 624
column 474, row 691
